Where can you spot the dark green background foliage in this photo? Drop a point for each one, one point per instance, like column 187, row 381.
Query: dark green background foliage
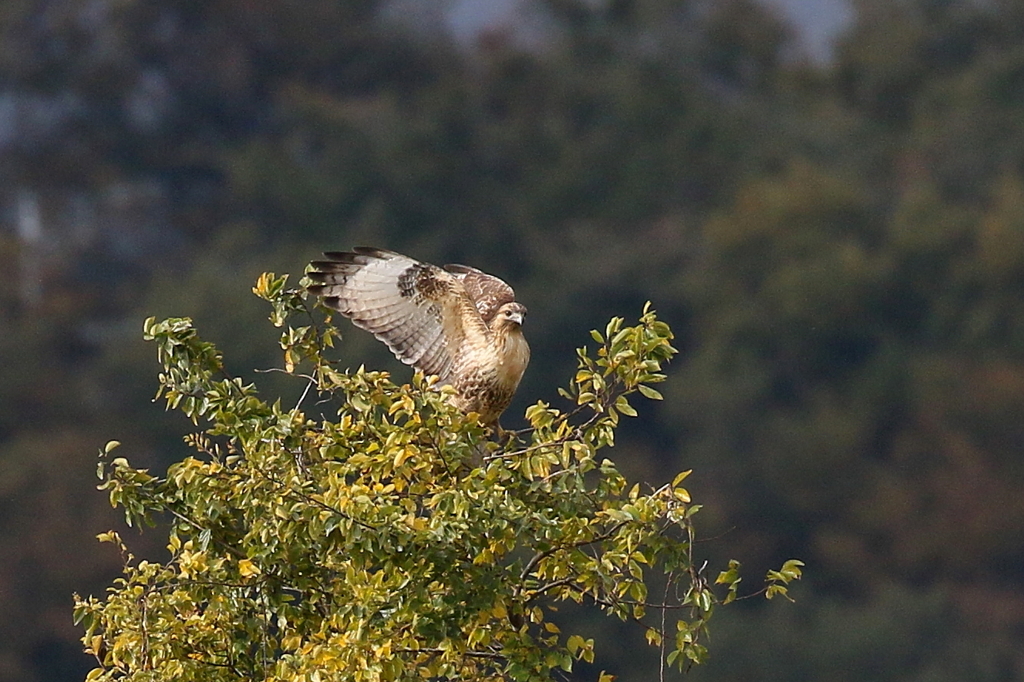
column 839, row 249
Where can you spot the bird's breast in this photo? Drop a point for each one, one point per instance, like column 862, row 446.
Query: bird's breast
column 513, row 357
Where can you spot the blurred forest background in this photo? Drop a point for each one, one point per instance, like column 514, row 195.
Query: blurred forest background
column 839, row 246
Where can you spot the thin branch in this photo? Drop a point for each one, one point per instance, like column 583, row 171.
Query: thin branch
column 230, row 666
column 540, row 556
column 436, row 651
column 550, row 586
column 238, row 554
column 664, row 610
column 147, row 661
column 312, row 500
column 524, row 451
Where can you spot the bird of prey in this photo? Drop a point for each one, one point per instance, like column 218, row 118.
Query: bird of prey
column 456, row 322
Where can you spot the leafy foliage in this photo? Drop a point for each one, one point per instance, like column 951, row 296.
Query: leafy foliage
column 378, row 534
column 840, row 244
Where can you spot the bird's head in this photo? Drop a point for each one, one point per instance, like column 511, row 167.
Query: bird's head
column 510, row 316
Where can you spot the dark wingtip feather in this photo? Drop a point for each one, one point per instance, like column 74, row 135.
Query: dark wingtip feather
column 339, row 257
column 359, row 255
column 373, row 251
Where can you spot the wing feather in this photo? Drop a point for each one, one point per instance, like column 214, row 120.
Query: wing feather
column 421, row 312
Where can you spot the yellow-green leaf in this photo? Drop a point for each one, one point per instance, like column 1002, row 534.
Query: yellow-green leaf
column 248, row 568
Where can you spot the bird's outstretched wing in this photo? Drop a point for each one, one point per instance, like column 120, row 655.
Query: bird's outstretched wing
column 423, row 314
column 487, row 291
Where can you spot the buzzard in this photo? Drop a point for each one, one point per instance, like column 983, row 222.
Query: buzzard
column 456, row 322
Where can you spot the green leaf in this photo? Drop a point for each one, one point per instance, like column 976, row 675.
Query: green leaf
column 680, row 477
column 574, row 644
column 623, row 406
column 649, row 392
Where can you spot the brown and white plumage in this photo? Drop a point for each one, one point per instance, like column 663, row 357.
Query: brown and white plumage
column 458, row 323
